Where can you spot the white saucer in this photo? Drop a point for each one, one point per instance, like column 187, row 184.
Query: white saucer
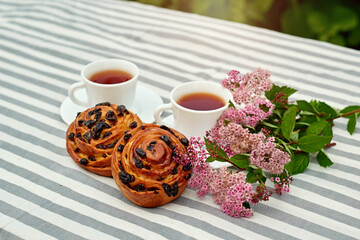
column 169, row 122
column 146, row 101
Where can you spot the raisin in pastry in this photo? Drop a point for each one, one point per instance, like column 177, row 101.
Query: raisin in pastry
column 144, row 168
column 94, row 133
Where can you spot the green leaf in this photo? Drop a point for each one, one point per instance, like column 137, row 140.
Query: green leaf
column 327, row 131
column 209, row 144
column 302, row 123
column 316, row 128
column 288, row 122
column 306, row 113
column 210, row 159
column 349, row 109
column 278, row 112
column 249, row 127
column 294, row 136
column 305, row 106
column 251, row 177
column 269, row 125
column 222, row 154
column 323, row 159
column 231, row 104
column 312, row 143
column 258, row 171
column 246, row 205
column 351, row 125
column 254, row 174
column 293, row 148
column 322, row 107
column 284, row 144
column 270, row 95
column 307, row 119
column 299, row 162
column 213, row 148
column 241, row 160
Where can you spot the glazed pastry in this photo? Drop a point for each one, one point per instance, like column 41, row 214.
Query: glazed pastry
column 94, row 133
column 144, row 168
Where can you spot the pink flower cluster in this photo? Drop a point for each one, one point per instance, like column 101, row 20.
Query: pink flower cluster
column 268, row 157
column 231, row 130
column 237, row 137
column 282, row 185
column 233, row 81
column 250, row 114
column 256, row 112
column 250, row 87
column 229, row 190
column 236, row 203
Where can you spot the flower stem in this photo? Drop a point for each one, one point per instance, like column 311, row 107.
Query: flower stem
column 344, row 115
column 291, row 142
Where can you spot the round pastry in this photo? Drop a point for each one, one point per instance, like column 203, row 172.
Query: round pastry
column 94, row 133
column 144, row 168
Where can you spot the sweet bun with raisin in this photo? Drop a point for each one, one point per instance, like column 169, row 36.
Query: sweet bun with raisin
column 144, row 167
column 92, row 136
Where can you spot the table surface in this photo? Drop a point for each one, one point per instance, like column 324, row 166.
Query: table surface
column 45, row 195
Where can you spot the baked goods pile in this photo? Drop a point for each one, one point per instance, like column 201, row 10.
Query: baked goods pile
column 110, row 140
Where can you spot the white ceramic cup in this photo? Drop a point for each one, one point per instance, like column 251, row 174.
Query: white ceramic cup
column 193, row 122
column 119, row 93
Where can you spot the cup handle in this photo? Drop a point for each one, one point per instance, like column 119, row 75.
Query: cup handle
column 72, row 89
column 158, row 111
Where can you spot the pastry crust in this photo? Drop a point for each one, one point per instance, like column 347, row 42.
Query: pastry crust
column 91, row 137
column 144, row 168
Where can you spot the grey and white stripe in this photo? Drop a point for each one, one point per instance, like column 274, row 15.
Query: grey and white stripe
column 44, row 195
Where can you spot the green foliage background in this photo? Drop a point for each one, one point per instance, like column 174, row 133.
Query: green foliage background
column 334, row 21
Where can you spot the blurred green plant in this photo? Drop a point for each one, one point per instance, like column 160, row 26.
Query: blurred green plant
column 334, row 21
column 250, row 12
column 244, row 11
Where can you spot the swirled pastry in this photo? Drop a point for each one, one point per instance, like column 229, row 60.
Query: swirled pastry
column 94, row 133
column 143, row 165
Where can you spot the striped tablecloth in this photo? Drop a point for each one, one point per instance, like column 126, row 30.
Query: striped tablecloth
column 45, row 195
